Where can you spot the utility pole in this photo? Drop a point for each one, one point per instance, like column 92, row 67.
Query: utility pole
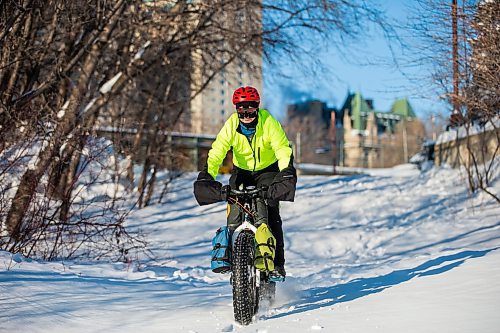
column 433, row 122
column 405, row 142
column 456, row 118
column 454, row 17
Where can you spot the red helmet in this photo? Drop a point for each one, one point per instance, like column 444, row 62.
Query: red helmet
column 246, row 94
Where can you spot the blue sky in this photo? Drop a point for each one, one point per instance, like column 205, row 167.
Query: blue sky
column 383, row 82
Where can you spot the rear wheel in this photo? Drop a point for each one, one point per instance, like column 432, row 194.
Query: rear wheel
column 245, row 300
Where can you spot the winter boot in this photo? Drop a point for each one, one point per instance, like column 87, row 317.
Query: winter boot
column 278, row 274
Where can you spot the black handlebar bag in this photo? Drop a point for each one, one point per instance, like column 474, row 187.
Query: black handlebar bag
column 207, row 191
column 283, row 185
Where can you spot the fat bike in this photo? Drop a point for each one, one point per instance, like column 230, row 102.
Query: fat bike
column 251, row 286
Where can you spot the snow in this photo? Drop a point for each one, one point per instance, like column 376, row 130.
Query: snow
column 461, row 132
column 140, row 53
column 108, row 85
column 62, row 112
column 390, row 250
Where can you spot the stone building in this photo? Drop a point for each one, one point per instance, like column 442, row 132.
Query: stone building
column 361, row 137
column 374, row 139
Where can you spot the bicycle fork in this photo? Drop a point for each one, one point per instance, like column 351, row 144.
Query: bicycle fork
column 245, row 226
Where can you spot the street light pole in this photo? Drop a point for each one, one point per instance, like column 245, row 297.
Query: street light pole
column 333, row 138
column 297, row 139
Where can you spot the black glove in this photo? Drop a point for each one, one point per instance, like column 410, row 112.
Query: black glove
column 204, row 175
column 263, row 192
column 283, row 186
column 206, row 189
column 287, row 172
column 225, row 191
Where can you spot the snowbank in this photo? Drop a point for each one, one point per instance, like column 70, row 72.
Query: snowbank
column 393, row 250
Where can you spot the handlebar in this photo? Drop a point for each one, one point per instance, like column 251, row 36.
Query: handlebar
column 247, row 192
column 253, row 191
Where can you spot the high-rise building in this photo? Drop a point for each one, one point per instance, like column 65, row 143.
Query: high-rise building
column 211, row 108
column 174, row 94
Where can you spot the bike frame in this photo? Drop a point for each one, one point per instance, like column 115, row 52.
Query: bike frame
column 246, row 225
column 247, row 218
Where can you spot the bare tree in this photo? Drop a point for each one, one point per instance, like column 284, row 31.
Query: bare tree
column 482, row 94
column 459, row 43
column 66, row 64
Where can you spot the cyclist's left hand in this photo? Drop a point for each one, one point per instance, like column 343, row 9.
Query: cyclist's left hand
column 284, row 184
column 263, row 192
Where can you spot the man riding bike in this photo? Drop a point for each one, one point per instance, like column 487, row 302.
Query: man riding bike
column 262, row 157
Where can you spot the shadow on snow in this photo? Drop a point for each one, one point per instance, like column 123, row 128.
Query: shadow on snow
column 326, row 296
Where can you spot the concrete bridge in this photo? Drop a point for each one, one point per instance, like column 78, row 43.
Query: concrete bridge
column 190, row 150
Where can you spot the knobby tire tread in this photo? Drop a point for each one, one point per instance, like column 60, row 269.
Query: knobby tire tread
column 244, row 293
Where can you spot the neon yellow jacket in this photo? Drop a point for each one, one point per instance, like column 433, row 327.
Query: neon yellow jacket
column 269, row 144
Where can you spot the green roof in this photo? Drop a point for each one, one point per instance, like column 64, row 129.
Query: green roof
column 356, row 105
column 359, row 105
column 403, row 108
column 359, row 109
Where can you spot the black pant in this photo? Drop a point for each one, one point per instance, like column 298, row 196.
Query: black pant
column 260, row 178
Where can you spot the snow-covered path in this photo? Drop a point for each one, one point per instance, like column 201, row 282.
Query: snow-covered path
column 391, row 251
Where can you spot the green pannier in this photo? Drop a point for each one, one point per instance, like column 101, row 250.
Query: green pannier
column 265, row 248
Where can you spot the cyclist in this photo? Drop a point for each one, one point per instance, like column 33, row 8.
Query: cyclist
column 262, row 157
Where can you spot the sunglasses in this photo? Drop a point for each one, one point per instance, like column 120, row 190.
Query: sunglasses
column 247, row 112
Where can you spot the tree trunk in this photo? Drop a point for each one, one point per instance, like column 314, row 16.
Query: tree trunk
column 151, row 186
column 17, row 60
column 31, row 178
column 143, row 182
column 70, row 177
column 136, row 145
column 25, row 192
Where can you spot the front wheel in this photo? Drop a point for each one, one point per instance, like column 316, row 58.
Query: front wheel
column 245, row 299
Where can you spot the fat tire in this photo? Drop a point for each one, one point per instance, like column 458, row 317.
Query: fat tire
column 245, row 295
